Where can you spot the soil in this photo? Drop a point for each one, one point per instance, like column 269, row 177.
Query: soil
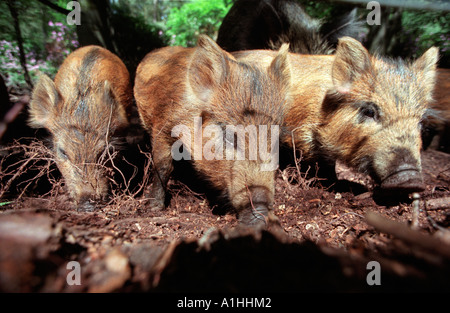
column 320, row 238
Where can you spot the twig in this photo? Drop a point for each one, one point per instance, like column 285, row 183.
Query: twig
column 415, row 210
column 408, row 235
column 32, row 153
column 17, row 174
column 437, row 204
column 111, row 158
column 55, row 7
column 147, row 165
column 294, row 151
column 435, row 225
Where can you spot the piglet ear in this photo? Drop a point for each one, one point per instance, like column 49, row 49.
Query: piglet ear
column 280, row 68
column 425, row 67
column 208, row 68
column 427, row 62
column 43, row 103
column 117, row 111
column 352, row 60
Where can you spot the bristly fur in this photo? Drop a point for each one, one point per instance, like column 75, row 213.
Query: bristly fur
column 83, row 109
column 361, row 109
column 176, row 85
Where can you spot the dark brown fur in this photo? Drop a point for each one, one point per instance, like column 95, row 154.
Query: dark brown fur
column 267, row 24
column 439, row 123
column 361, row 109
column 84, row 107
column 174, row 85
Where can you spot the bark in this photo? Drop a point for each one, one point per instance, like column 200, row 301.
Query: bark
column 23, row 61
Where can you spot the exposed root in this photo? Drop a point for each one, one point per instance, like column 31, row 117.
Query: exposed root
column 33, row 159
column 295, row 178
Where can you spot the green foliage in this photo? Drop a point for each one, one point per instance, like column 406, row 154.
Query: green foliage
column 196, row 17
column 142, row 25
column 317, row 9
column 47, row 40
column 425, row 29
column 10, row 66
column 151, row 11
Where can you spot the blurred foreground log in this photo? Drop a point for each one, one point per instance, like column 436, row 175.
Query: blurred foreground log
column 35, row 250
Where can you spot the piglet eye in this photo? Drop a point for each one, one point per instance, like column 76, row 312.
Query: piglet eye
column 369, row 110
column 62, row 153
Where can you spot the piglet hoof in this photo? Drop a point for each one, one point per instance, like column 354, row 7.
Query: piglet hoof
column 255, row 216
column 154, row 200
column 154, row 205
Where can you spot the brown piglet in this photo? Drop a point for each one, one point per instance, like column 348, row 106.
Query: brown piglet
column 200, row 104
column 83, row 109
column 361, row 109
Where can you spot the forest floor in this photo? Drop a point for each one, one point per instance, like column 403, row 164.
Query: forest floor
column 321, row 239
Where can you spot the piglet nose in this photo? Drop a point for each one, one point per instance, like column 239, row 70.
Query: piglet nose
column 405, row 174
column 86, row 205
column 89, row 203
column 405, row 179
column 255, row 216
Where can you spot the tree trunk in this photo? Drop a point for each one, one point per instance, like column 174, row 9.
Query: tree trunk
column 96, row 28
column 155, row 11
column 23, row 61
column 383, row 38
